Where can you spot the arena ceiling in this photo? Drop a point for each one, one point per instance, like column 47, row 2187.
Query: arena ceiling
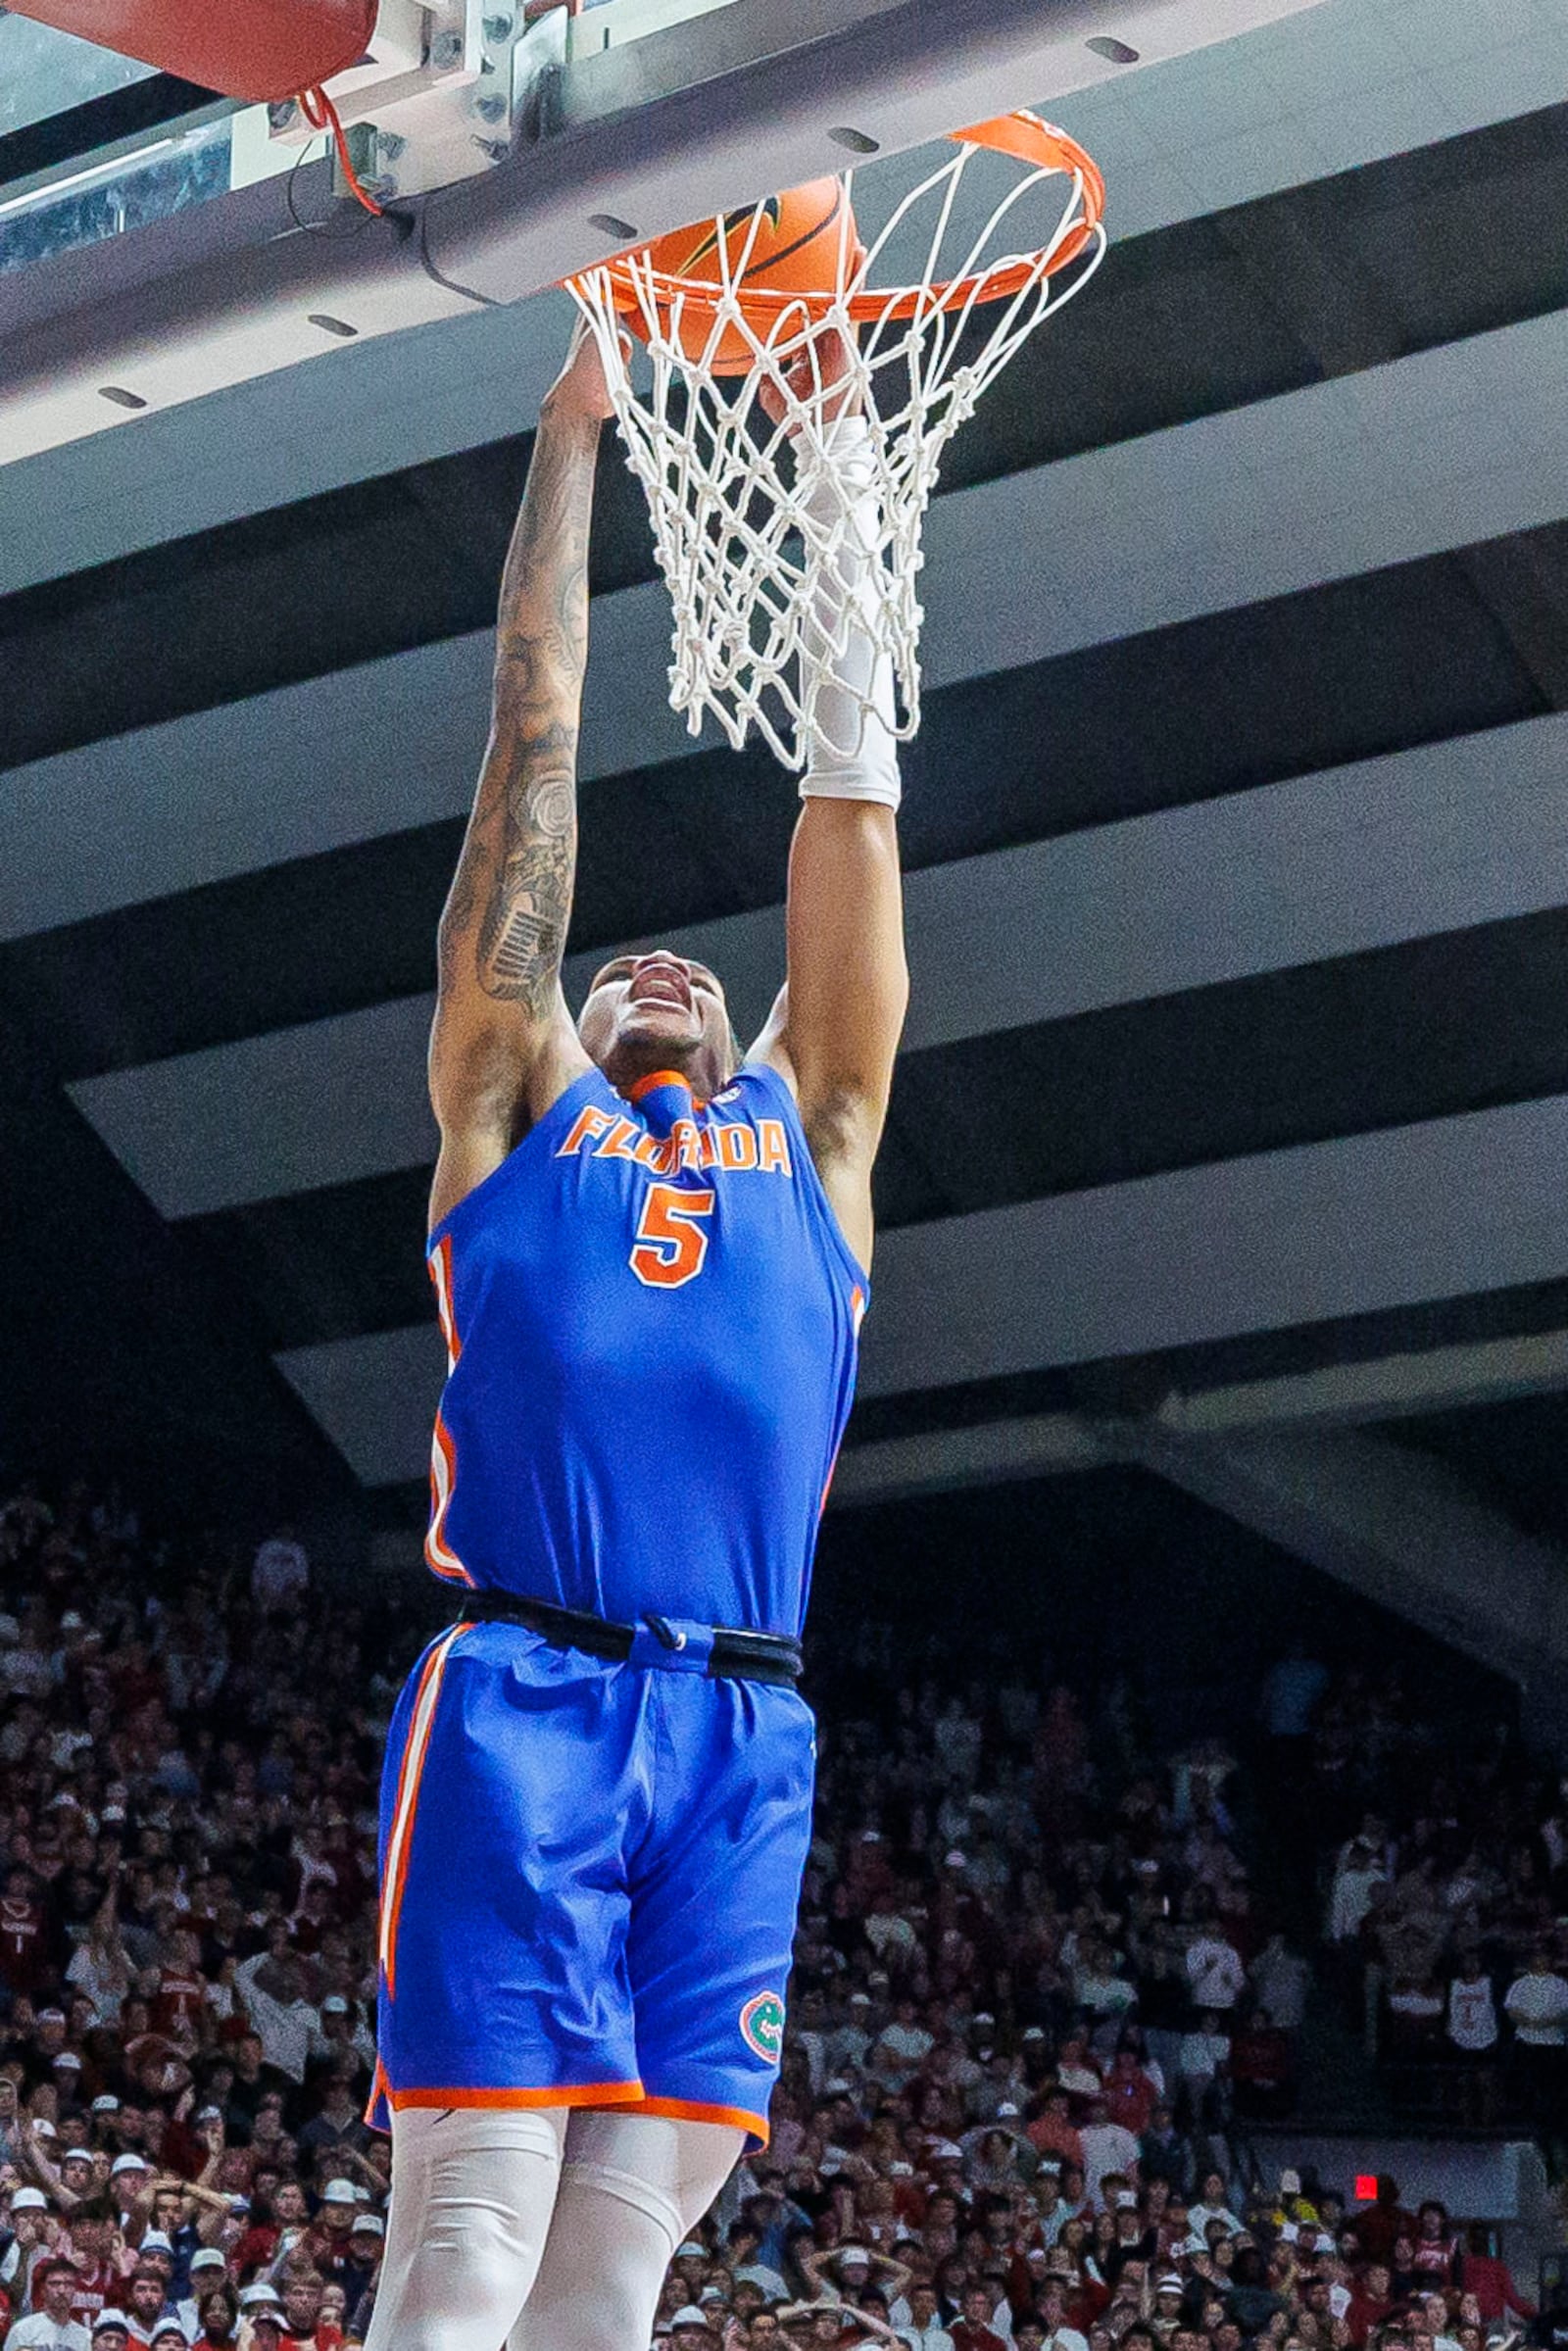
column 1236, row 1085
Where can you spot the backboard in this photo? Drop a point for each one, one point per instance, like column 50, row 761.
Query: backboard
column 202, row 249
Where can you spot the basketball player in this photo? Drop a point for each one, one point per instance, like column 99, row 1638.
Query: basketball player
column 649, row 1258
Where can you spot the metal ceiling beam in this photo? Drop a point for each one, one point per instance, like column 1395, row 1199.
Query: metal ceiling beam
column 1042, row 1445
column 1439, row 1379
column 1525, row 584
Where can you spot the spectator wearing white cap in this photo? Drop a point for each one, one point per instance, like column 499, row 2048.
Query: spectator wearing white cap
column 328, row 2233
column 111, row 2329
column 32, row 2235
column 39, row 2052
column 128, row 2175
column 842, row 2277
column 209, row 2267
column 845, row 2045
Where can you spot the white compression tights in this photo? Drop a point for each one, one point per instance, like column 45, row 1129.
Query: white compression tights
column 538, row 2232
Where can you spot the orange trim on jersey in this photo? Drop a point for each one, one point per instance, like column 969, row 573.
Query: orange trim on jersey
column 439, row 1556
column 656, row 1077
column 571, row 2093
column 410, row 1773
column 439, row 1262
column 688, row 2110
column 380, row 2087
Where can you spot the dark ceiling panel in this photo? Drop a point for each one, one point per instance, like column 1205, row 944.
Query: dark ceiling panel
column 122, row 1350
column 81, row 131
column 1425, row 1030
column 1515, row 1453
column 325, row 1264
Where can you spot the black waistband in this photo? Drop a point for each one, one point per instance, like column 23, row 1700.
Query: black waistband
column 744, row 1657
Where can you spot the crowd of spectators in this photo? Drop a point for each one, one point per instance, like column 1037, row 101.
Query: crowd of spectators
column 1036, row 1998
column 1444, row 1869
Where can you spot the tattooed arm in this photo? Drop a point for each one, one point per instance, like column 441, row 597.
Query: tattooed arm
column 504, row 1047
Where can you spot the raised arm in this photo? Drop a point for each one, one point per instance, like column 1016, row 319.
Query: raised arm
column 503, row 1046
column 835, row 1029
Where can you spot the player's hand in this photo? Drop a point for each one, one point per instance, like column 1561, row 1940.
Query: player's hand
column 580, row 390
column 821, row 374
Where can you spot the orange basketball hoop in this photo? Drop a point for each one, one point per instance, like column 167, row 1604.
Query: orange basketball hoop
column 1023, row 136
column 743, row 405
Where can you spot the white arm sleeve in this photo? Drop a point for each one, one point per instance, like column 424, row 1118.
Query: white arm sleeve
column 854, row 753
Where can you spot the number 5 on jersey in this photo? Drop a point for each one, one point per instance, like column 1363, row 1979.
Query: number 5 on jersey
column 671, row 1235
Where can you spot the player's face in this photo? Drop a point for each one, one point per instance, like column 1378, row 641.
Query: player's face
column 658, row 1011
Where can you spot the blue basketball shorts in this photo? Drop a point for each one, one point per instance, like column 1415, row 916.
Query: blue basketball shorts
column 589, row 1879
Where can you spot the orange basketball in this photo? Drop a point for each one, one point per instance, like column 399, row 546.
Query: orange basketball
column 804, row 242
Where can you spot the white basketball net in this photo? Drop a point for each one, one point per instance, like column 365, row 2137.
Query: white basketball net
column 738, row 551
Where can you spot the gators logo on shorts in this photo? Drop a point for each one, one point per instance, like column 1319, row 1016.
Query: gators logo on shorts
column 763, row 2026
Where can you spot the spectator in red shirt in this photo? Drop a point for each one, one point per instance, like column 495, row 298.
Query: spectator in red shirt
column 286, row 2210
column 302, row 2329
column 90, row 2231
column 179, row 2003
column 1371, row 2302
column 1436, row 2246
column 1488, row 2277
column 328, row 2233
column 973, row 2331
column 1130, row 2096
column 1262, row 2066
column 1379, row 2226
column 1053, row 2131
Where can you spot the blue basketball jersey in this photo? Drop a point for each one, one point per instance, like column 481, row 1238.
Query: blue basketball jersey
column 650, row 1318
